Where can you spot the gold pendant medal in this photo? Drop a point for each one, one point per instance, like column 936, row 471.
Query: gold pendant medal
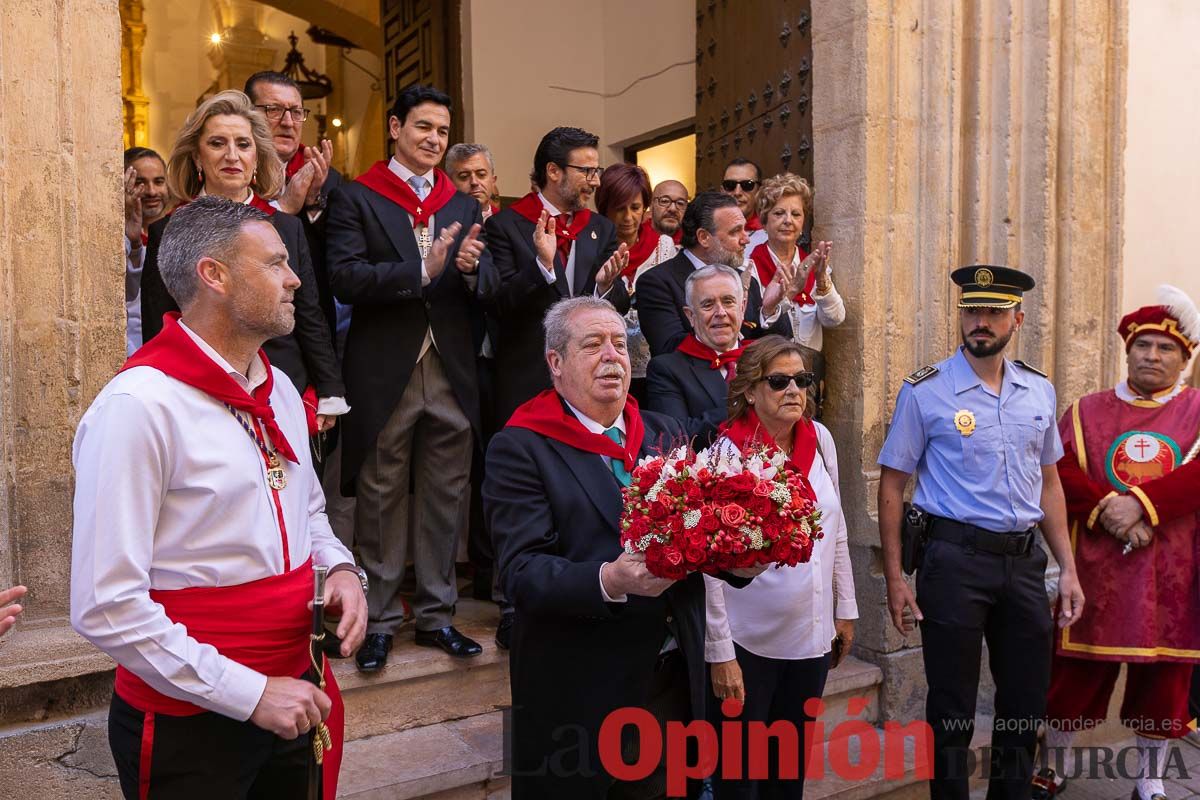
column 965, row 422
column 276, row 477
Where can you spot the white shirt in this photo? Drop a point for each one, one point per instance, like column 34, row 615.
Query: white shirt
column 596, row 427
column 569, row 267
column 787, row 613
column 134, row 260
column 763, row 320
column 810, row 320
column 1124, row 392
column 171, row 492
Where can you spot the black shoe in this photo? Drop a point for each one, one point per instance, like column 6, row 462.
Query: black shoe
column 504, row 631
column 374, row 652
column 1047, row 785
column 449, row 640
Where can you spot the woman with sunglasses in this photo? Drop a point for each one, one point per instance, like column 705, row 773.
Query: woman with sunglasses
column 624, row 197
column 772, row 643
column 225, row 149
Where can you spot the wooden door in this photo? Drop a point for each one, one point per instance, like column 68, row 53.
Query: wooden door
column 422, row 42
column 753, row 86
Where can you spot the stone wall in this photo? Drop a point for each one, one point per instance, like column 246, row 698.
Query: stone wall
column 62, row 311
column 949, row 134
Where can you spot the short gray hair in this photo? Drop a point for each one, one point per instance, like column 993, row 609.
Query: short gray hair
column 704, row 273
column 558, row 319
column 207, row 227
column 464, row 150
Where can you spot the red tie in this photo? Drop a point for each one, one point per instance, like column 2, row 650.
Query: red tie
column 561, row 223
column 730, row 372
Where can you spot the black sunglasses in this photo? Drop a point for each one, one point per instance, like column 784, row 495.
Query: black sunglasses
column 747, row 186
column 778, row 383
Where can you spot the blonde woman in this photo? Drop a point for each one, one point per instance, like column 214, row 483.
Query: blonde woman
column 225, row 149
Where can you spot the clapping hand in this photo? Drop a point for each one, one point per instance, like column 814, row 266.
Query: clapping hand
column 545, row 242
column 9, row 613
column 133, row 208
column 612, row 268
column 435, row 262
column 469, row 251
column 320, row 157
column 823, row 283
column 295, row 194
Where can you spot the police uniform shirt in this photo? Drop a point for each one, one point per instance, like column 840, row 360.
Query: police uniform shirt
column 978, row 456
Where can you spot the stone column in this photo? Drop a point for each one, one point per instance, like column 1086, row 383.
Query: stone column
column 244, row 48
column 62, row 315
column 948, row 134
column 137, row 105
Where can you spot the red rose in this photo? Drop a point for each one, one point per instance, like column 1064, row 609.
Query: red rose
column 694, row 556
column 763, row 488
column 708, row 520
column 672, row 556
column 760, row 506
column 659, row 511
column 732, row 515
column 693, row 493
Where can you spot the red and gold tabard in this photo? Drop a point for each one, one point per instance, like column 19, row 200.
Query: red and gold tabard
column 1143, row 606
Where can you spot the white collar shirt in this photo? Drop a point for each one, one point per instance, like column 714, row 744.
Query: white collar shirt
column 171, row 492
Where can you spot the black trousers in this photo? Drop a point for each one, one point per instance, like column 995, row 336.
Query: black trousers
column 205, row 756
column 967, row 596
column 776, row 689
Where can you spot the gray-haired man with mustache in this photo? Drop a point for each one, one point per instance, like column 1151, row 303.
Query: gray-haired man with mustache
column 584, row 608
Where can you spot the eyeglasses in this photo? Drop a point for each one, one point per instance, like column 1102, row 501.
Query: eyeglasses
column 589, row 173
column 779, row 383
column 747, row 186
column 666, row 202
column 275, row 113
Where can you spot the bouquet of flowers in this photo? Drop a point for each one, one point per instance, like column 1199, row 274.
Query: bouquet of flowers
column 717, row 510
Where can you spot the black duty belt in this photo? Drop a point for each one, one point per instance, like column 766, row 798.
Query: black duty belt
column 972, row 537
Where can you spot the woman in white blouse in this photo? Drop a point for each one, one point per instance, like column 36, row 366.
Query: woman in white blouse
column 784, row 203
column 771, row 644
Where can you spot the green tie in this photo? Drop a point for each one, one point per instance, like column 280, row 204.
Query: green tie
column 617, row 465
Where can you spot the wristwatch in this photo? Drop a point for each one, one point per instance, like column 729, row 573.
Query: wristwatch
column 357, row 570
column 322, row 201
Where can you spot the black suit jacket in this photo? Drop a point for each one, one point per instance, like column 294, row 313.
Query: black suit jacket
column 524, row 296
column 374, row 265
column 684, row 387
column 306, row 355
column 314, row 232
column 554, row 513
column 660, row 301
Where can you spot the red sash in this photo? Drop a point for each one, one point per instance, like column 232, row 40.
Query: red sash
column 382, row 180
column 530, row 207
column 761, row 256
column 174, row 353
column 747, row 431
column 546, row 414
column 693, row 347
column 296, row 163
column 643, row 248
column 263, row 625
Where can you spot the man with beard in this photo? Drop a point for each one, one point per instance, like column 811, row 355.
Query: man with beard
column 978, row 430
column 146, row 198
column 548, row 246
column 714, row 232
column 668, row 201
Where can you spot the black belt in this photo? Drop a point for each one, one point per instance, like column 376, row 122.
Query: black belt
column 973, row 537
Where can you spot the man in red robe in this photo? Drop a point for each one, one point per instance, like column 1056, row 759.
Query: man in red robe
column 1133, row 530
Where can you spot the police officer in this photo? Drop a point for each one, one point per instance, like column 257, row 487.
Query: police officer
column 979, row 432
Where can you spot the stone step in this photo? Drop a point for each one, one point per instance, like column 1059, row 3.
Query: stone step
column 447, row 760
column 876, row 783
column 851, row 692
column 422, row 686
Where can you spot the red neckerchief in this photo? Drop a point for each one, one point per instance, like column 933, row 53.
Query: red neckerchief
column 643, row 248
column 546, row 414
column 383, row 181
column 691, row 346
column 677, row 236
column 761, row 256
column 747, row 431
column 530, row 207
column 495, row 209
column 256, row 200
column 145, row 238
column 295, row 164
column 173, row 353
column 754, row 223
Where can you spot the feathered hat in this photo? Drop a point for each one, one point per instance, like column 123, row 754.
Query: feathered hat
column 1175, row 316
